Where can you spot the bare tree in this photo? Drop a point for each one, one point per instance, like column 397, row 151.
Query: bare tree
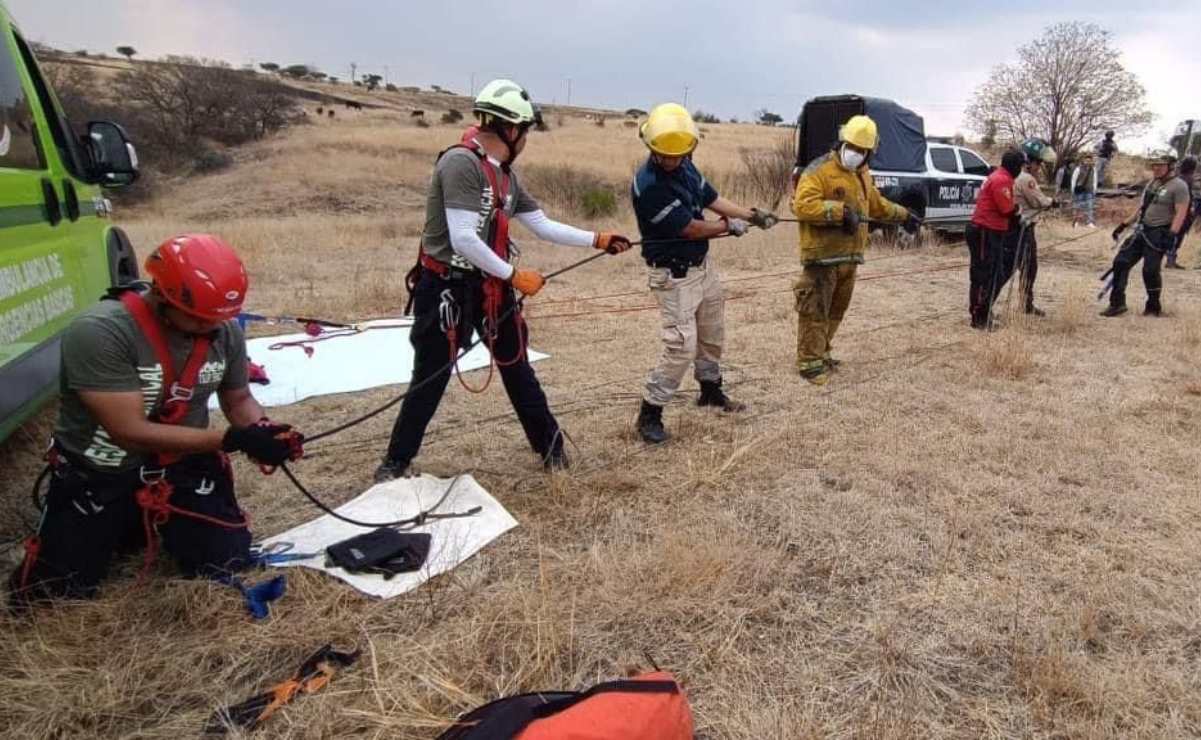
column 1068, row 86
column 184, row 103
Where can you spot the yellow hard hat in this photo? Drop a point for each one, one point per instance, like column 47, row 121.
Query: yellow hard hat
column 860, row 131
column 669, row 130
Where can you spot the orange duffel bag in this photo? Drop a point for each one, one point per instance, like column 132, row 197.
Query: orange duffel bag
column 651, row 706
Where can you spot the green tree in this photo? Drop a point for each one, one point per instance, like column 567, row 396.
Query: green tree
column 269, row 67
column 296, row 71
column 127, row 51
column 767, row 118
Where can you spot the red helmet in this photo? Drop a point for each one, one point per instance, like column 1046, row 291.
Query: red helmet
column 200, row 275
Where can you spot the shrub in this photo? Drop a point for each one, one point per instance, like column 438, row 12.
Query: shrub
column 452, row 116
column 391, row 88
column 599, row 121
column 210, row 160
column 701, row 116
column 171, row 107
column 597, row 203
column 765, row 172
column 575, row 191
column 421, row 123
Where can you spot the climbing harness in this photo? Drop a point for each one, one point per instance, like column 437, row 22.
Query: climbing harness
column 154, row 496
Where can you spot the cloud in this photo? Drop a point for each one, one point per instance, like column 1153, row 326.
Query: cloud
column 732, row 57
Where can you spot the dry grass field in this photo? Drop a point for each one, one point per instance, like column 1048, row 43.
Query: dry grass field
column 963, row 535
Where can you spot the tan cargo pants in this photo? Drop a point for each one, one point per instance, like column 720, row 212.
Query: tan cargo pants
column 692, row 309
column 823, row 293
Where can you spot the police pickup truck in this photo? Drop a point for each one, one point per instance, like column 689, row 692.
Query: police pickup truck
column 939, row 182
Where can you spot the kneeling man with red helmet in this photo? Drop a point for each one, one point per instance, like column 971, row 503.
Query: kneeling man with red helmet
column 133, row 459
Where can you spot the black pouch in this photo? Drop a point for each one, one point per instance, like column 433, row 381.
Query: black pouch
column 679, row 270
column 384, row 551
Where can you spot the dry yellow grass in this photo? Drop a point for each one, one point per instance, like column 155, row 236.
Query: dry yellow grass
column 960, row 536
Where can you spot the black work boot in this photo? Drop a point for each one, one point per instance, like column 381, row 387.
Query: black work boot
column 1114, row 310
column 556, row 461
column 650, row 424
column 1034, row 310
column 1153, row 309
column 390, row 470
column 712, row 395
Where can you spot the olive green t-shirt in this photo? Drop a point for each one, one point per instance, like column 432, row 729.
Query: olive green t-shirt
column 104, row 350
column 459, row 183
column 1165, row 196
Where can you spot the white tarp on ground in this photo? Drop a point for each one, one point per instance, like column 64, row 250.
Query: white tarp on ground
column 355, row 362
column 453, row 540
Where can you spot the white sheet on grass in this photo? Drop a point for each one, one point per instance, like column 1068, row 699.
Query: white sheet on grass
column 453, row 540
column 382, row 356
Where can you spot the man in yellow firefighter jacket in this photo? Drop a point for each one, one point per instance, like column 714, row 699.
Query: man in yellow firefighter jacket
column 835, row 200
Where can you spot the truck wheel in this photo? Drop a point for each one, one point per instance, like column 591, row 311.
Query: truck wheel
column 122, row 261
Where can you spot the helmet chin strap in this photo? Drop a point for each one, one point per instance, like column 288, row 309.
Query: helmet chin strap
column 497, row 126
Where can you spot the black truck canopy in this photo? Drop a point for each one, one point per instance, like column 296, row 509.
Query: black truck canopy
column 902, row 132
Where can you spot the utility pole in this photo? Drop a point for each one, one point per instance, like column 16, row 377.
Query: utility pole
column 353, row 68
column 385, row 75
column 569, row 91
column 685, row 96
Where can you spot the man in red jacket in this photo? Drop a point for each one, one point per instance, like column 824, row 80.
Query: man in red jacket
column 994, row 217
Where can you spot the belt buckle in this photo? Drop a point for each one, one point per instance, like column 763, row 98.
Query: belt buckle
column 152, row 476
column 179, row 393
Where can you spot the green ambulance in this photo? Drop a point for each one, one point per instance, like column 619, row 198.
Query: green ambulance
column 58, row 249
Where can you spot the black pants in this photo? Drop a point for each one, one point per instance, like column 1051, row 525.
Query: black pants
column 1026, row 257
column 1150, row 246
column 1184, row 229
column 993, row 256
column 430, row 374
column 89, row 517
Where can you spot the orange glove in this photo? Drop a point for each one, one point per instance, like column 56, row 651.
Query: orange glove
column 610, row 242
column 527, row 282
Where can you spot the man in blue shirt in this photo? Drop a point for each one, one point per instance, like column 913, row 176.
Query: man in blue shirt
column 670, row 196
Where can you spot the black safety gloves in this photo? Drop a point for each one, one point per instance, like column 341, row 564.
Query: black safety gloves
column 265, row 442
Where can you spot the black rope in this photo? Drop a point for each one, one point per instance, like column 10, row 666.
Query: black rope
column 39, row 502
column 472, row 345
column 414, row 521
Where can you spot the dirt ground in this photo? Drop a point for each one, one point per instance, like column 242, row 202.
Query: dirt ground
column 962, row 535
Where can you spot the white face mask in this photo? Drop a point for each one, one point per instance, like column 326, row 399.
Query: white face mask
column 851, row 159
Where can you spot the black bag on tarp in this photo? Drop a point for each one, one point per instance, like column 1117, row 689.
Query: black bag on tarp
column 383, row 551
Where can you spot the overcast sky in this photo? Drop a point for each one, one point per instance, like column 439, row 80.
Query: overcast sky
column 733, row 57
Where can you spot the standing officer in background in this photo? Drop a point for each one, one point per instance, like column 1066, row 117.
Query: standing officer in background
column 1031, row 201
column 1106, row 150
column 670, row 197
column 834, row 200
column 1188, row 173
column 464, row 279
column 1158, row 223
column 1084, row 190
column 987, row 234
